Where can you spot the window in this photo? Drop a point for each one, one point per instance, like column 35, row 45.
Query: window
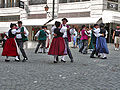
column 74, row 0
column 85, row 0
column 112, row 6
column 9, row 18
column 67, row 1
column 113, row 0
column 2, row 3
column 35, row 2
column 62, row 1
column 9, row 3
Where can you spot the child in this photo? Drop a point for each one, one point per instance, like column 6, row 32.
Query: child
column 74, row 40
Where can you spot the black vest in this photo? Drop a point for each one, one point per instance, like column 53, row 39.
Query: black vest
column 103, row 31
column 10, row 34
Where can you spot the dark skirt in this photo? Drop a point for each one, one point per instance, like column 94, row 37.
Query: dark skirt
column 57, row 47
column 10, row 48
column 101, row 45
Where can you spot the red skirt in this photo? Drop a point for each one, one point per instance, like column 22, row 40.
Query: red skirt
column 57, row 47
column 10, row 48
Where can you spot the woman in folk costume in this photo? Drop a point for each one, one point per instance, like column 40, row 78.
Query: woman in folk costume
column 10, row 47
column 101, row 44
column 57, row 47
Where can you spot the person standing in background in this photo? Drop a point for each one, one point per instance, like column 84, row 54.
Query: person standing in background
column 116, row 37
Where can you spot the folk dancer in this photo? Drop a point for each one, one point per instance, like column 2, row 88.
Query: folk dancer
column 57, row 47
column 42, row 35
column 101, row 45
column 95, row 34
column 67, row 37
column 21, row 38
column 10, row 46
column 84, row 39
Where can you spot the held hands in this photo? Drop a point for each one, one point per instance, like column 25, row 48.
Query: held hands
column 55, row 34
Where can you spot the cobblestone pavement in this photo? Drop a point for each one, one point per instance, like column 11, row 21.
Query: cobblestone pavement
column 40, row 73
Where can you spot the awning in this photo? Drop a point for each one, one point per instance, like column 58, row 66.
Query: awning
column 84, row 20
column 5, row 26
column 34, row 22
column 111, row 16
column 4, row 29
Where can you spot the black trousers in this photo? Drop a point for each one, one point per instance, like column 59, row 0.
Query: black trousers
column 68, row 49
column 20, row 45
column 94, row 51
column 43, row 42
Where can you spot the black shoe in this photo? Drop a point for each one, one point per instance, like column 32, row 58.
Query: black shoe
column 55, row 61
column 104, row 58
column 80, row 51
column 72, row 60
column 17, row 60
column 6, row 60
column 99, row 56
column 92, row 57
column 63, row 61
column 25, row 59
column 35, row 52
column 84, row 53
column 39, row 52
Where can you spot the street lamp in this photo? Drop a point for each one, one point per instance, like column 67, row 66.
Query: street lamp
column 46, row 9
column 53, row 8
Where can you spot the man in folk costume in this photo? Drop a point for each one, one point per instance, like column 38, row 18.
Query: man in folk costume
column 10, row 46
column 42, row 35
column 67, row 37
column 95, row 33
column 21, row 37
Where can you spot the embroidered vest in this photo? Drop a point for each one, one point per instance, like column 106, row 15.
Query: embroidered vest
column 24, row 38
column 42, row 35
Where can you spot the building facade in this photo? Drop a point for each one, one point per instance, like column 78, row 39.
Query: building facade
column 76, row 11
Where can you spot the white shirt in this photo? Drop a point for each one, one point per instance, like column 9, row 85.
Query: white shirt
column 52, row 29
column 89, row 33
column 97, row 32
column 64, row 31
column 19, row 36
column 37, row 34
column 48, row 35
column 72, row 31
column 13, row 31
